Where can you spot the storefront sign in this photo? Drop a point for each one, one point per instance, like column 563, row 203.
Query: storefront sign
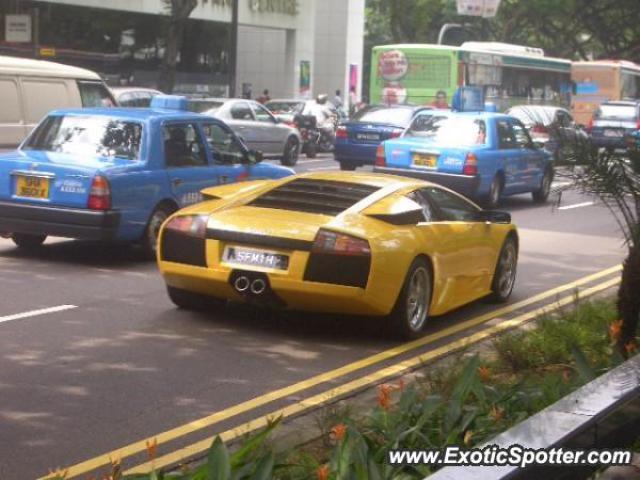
column 286, row 7
column 17, row 28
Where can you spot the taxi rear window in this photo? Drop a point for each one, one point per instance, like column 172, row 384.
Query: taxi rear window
column 100, row 136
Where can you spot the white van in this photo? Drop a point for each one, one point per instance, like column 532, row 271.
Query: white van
column 29, row 89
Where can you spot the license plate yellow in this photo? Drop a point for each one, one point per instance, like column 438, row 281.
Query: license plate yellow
column 424, row 160
column 32, row 187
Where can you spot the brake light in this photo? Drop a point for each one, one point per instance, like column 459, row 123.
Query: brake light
column 638, row 124
column 589, row 127
column 99, row 194
column 539, row 128
column 381, row 161
column 193, row 225
column 340, row 244
column 341, row 132
column 396, row 133
column 470, row 165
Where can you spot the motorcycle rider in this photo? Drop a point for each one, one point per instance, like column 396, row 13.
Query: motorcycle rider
column 325, row 117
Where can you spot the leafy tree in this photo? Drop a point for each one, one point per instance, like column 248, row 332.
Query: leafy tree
column 179, row 11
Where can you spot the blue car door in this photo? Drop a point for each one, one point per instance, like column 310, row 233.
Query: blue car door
column 532, row 159
column 510, row 157
column 188, row 163
column 229, row 155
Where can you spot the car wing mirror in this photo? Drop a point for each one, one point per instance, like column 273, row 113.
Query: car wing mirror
column 493, row 216
column 253, row 156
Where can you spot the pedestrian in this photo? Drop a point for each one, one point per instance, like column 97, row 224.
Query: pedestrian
column 337, row 100
column 264, row 98
column 441, row 101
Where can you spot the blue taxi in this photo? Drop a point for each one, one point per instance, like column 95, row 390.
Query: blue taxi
column 116, row 174
column 482, row 155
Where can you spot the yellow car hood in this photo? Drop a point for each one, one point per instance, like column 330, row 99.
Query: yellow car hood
column 268, row 221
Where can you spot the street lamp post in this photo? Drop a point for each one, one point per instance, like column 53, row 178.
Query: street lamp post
column 445, row 28
column 233, row 49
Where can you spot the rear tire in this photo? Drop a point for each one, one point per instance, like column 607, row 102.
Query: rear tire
column 151, row 232
column 411, row 312
column 311, row 150
column 542, row 194
column 291, row 152
column 28, row 241
column 348, row 167
column 193, row 301
column 495, row 192
column 504, row 277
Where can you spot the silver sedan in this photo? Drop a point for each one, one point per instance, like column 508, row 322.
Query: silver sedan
column 256, row 125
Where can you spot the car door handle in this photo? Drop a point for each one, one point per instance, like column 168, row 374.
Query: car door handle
column 177, row 182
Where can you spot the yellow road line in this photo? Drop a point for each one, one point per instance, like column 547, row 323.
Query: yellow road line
column 194, row 449
column 222, row 415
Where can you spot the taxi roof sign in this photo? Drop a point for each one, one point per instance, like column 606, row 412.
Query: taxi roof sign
column 170, row 102
column 468, row 99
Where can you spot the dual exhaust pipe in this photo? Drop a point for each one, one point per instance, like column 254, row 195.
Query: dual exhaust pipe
column 244, row 285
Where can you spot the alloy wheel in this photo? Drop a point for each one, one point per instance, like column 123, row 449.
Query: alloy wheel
column 418, row 299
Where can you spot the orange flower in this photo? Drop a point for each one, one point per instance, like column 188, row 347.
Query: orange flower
column 566, row 376
column 468, row 435
column 338, row 432
column 152, row 448
column 615, row 329
column 384, row 396
column 485, row 373
column 497, row 413
column 631, row 347
column 322, row 473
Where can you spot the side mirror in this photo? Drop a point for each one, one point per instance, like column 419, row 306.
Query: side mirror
column 253, row 156
column 493, row 216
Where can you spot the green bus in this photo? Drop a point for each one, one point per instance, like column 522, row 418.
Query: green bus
column 510, row 74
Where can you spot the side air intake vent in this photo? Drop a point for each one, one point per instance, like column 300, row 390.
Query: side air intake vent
column 314, row 196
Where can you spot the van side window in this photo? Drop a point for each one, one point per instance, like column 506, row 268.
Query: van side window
column 95, row 94
column 10, row 101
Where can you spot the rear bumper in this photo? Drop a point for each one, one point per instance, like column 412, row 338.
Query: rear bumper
column 58, row 221
column 608, row 142
column 466, row 184
column 364, row 154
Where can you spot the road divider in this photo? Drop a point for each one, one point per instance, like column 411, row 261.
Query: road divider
column 252, row 404
column 36, row 313
column 405, row 366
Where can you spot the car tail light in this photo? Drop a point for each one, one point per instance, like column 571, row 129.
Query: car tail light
column 381, row 161
column 193, row 225
column 638, row 124
column 99, row 194
column 539, row 128
column 341, row 132
column 470, row 165
column 291, row 124
column 396, row 133
column 340, row 244
column 589, row 127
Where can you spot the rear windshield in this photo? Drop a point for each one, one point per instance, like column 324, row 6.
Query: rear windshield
column 617, row 112
column 285, row 107
column 201, row 106
column 534, row 115
column 385, row 115
column 95, row 94
column 88, row 135
column 448, row 131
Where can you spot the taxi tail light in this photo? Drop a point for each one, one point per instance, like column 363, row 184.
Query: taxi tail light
column 470, row 165
column 589, row 126
column 192, row 225
column 380, row 158
column 396, row 133
column 341, row 132
column 99, row 194
column 340, row 244
column 539, row 128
